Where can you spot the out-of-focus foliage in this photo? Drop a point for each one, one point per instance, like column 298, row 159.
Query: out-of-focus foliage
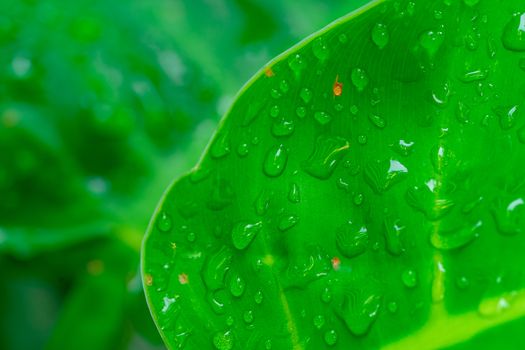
column 101, row 104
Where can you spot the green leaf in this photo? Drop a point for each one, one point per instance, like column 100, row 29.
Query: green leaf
column 364, row 191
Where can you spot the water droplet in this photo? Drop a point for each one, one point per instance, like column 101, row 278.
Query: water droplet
column 377, row 121
column 218, row 301
column 262, row 202
column 509, row 215
column 305, row 266
column 392, row 307
column 354, row 109
column 294, row 195
column 306, row 95
column 322, row 117
column 462, row 282
column 338, row 107
column 320, row 49
column 330, row 337
column 380, row 35
column 274, row 111
column 343, row 38
column 223, row 340
column 424, row 200
column 237, row 285
column 456, row 238
column 268, row 344
column 283, row 127
column 248, row 316
column 221, row 146
column 358, row 198
column 404, row 148
column 191, row 236
column 258, row 297
column 326, row 295
column 242, row 149
column 215, row 268
column 164, row 222
column 359, row 310
column 431, row 41
column 326, row 155
column 359, row 79
column 243, row 234
column 287, row 222
column 275, row 161
column 276, row 94
column 230, row 321
column 296, row 64
column 222, row 194
column 352, row 239
column 507, row 116
column 393, row 232
column 362, row 139
column 283, row 85
column 319, row 321
column 409, row 278
column 382, row 175
column 301, row 112
column 514, row 33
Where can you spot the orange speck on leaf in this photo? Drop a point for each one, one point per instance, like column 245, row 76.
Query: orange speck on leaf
column 269, row 72
column 336, row 263
column 148, row 279
column 338, row 87
column 183, row 278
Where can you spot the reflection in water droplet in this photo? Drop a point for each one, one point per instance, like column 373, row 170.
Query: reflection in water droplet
column 294, row 195
column 326, row 155
column 275, row 161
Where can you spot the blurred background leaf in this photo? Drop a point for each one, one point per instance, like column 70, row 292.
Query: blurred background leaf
column 102, row 104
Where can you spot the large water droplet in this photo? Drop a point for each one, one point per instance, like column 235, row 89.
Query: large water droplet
column 359, row 78
column 275, row 161
column 393, row 233
column 326, row 155
column 424, row 200
column 380, row 35
column 352, row 240
column 320, row 49
column 359, row 310
column 514, row 33
column 223, row 340
column 509, row 215
column 243, row 234
column 431, row 41
column 456, row 238
column 382, row 175
column 215, row 268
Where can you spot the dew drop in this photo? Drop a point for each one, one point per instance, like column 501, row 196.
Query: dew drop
column 230, row 321
column 359, row 310
column 191, row 236
column 283, row 127
column 274, row 111
column 409, row 278
column 301, row 112
column 362, row 139
column 380, row 35
column 283, row 86
column 164, row 222
column 359, row 79
column 358, row 198
column 215, row 268
column 431, row 41
column 276, row 94
column 319, row 321
column 382, row 175
column 248, row 316
column 320, row 49
column 326, row 295
column 221, row 146
column 306, row 95
column 287, row 222
column 275, row 161
column 242, row 149
column 509, row 215
column 237, row 285
column 514, row 33
column 462, row 282
column 377, row 121
column 352, row 240
column 243, row 234
column 294, row 194
column 393, row 232
column 223, row 340
column 456, row 238
column 327, row 154
column 258, row 297
column 354, row 109
column 262, row 203
column 343, row 38
column 330, row 337
column 392, row 307
column 268, row 344
column 507, row 116
column 322, row 117
column 296, row 64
